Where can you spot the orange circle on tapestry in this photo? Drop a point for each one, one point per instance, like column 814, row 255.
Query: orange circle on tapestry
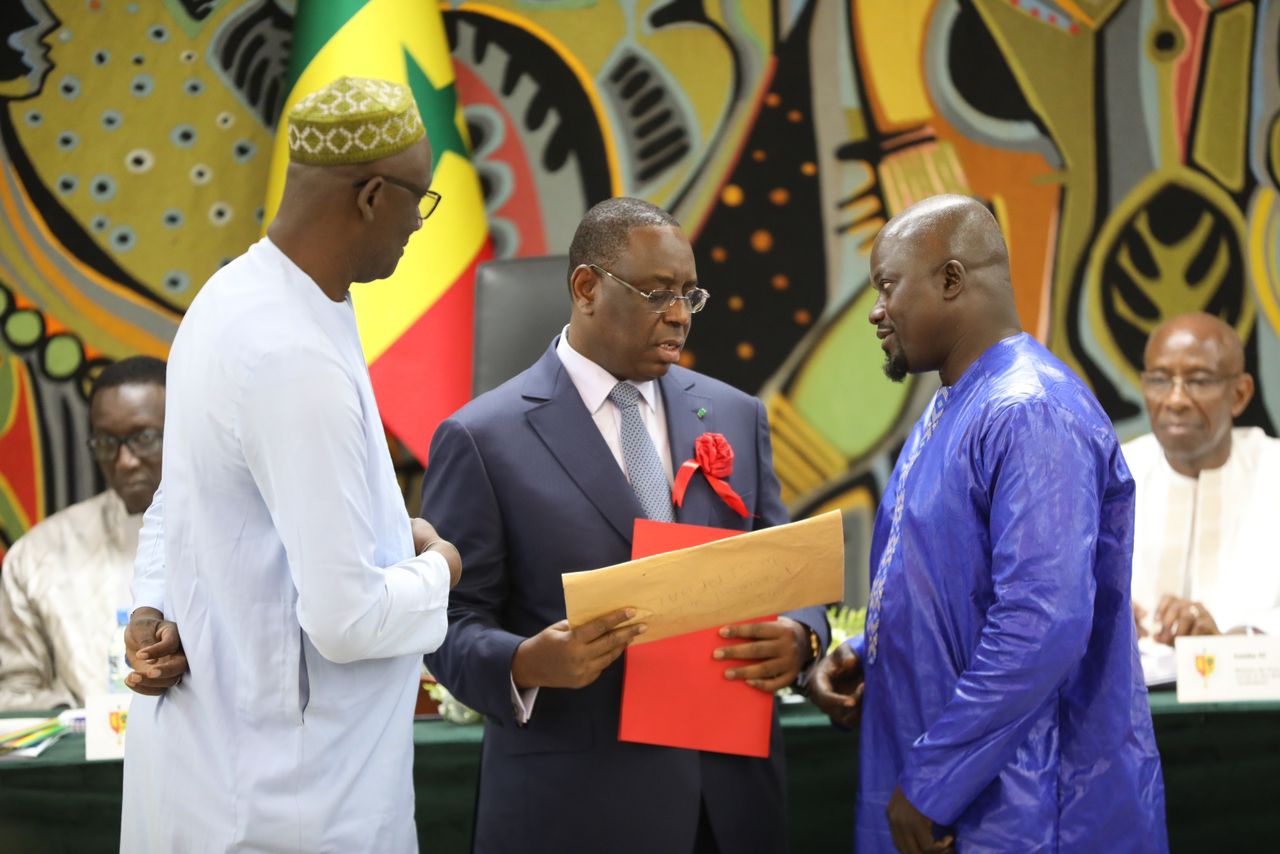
column 746, row 351
column 780, row 282
column 803, row 318
column 758, row 155
column 808, row 168
column 731, row 195
column 718, row 254
column 761, row 240
column 735, row 303
column 779, row 196
column 773, row 99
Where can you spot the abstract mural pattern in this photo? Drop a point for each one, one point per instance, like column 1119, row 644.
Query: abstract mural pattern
column 1130, row 150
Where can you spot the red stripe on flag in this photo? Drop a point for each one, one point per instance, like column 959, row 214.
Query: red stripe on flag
column 20, row 450
column 422, row 378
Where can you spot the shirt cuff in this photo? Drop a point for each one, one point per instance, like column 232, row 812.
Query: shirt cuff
column 858, row 646
column 522, row 702
column 426, row 587
column 147, row 596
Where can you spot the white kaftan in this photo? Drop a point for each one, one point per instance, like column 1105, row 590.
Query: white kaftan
column 61, row 586
column 1211, row 539
column 280, row 545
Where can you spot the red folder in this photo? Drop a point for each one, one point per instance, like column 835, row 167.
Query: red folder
column 673, row 692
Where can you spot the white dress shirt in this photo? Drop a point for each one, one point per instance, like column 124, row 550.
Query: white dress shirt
column 280, row 545
column 1212, row 538
column 594, row 384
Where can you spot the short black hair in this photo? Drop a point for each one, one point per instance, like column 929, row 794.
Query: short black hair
column 135, row 370
column 605, row 230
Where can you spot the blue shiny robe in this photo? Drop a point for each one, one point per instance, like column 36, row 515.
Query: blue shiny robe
column 1006, row 696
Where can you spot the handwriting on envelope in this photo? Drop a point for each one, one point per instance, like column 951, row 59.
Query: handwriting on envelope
column 747, row 576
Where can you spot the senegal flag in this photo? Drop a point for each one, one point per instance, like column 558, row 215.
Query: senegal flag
column 416, row 325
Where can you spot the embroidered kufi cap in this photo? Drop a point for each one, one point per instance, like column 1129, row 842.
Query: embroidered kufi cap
column 353, row 120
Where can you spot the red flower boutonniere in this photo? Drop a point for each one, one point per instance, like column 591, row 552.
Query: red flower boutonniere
column 714, row 456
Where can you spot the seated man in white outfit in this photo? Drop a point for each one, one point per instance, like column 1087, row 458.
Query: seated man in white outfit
column 65, row 579
column 1208, row 494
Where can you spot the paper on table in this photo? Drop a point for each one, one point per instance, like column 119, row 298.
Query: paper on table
column 26, row 728
column 8, row 726
column 761, row 572
column 33, row 751
column 1159, row 663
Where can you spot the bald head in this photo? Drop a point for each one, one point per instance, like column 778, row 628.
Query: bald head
column 942, row 271
column 1211, row 335
column 1195, row 387
column 953, row 226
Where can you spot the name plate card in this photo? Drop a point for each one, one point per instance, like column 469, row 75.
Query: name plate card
column 1228, row 668
column 105, row 717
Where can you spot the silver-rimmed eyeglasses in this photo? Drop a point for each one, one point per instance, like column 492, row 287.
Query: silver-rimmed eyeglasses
column 1160, row 385
column 661, row 299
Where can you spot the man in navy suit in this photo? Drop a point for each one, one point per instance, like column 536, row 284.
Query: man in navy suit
column 537, row 478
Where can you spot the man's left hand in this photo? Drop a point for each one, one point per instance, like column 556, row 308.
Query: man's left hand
column 1178, row 617
column 780, row 648
column 154, row 650
column 913, row 830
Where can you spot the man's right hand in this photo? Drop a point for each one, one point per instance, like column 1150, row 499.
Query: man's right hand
column 835, row 686
column 154, row 651
column 1139, row 619
column 562, row 657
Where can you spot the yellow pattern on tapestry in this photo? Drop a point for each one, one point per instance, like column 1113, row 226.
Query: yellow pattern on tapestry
column 890, row 37
column 1224, row 98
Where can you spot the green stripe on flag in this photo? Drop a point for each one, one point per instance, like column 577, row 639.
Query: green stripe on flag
column 315, row 23
column 438, row 108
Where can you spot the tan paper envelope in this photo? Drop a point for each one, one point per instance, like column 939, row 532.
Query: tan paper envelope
column 761, row 572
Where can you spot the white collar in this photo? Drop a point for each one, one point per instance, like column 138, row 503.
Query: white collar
column 593, row 382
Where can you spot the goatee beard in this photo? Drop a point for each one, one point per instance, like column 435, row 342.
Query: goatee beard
column 895, row 367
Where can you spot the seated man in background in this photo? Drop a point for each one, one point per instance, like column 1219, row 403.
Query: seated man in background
column 65, row 578
column 1207, row 494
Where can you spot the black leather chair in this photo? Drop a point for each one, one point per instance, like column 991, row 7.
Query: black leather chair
column 520, row 305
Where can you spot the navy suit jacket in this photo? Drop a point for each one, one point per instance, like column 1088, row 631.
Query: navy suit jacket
column 521, row 481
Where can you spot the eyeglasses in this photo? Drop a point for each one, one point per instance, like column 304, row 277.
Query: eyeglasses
column 427, row 199
column 143, row 443
column 1160, row 385
column 661, row 299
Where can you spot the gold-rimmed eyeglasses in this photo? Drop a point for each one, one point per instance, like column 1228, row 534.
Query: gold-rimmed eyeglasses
column 661, row 299
column 427, row 199
column 1160, row 385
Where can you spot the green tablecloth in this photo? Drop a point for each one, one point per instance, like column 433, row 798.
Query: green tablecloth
column 1221, row 764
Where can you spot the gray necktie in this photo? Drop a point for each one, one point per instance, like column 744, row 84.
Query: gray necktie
column 644, row 468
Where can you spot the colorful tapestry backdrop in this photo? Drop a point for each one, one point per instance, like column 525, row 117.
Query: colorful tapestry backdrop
column 1129, row 148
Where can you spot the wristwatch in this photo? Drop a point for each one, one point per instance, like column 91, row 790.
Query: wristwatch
column 815, row 645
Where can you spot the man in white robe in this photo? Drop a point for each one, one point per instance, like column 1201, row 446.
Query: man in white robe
column 278, row 543
column 1208, row 494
